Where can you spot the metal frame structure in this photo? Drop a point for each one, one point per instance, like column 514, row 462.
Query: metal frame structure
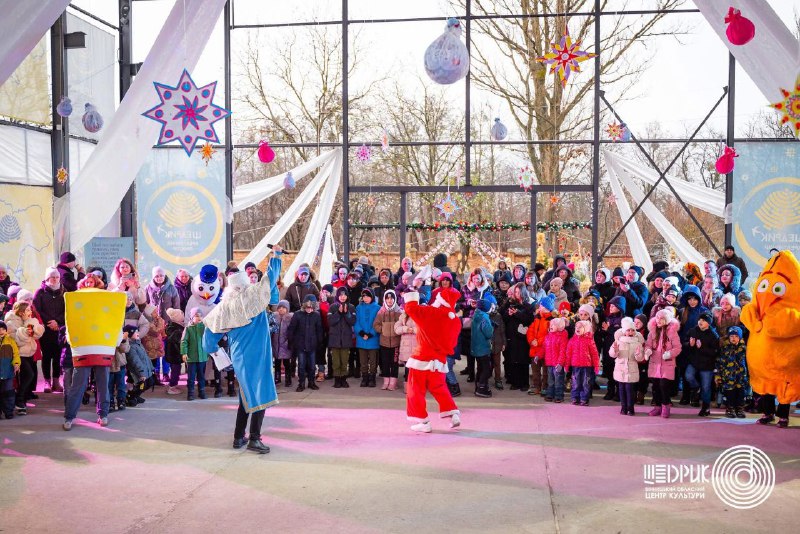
column 127, row 71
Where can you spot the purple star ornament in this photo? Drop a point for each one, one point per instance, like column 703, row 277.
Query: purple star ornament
column 186, row 113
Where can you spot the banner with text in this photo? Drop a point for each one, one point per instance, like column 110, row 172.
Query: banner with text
column 180, row 212
column 766, row 202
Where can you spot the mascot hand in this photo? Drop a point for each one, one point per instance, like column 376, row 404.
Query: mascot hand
column 750, row 318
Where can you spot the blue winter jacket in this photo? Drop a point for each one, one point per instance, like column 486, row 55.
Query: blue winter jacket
column 482, row 333
column 735, row 286
column 365, row 316
column 687, row 315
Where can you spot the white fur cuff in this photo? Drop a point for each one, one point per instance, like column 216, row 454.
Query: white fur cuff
column 411, row 296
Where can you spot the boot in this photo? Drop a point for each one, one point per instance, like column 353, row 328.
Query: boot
column 455, row 389
column 498, row 384
column 288, row 382
column 665, row 409
column 344, row 382
column 685, row 396
column 695, row 398
column 609, row 392
column 740, row 412
column 392, row 384
column 217, row 389
column 372, row 380
column 201, row 393
column 704, row 410
column 312, row 385
column 357, row 373
column 57, row 386
column 385, row 385
column 190, row 394
column 300, row 386
column 47, row 388
column 231, row 390
column 729, row 413
column 655, row 412
column 337, row 382
column 640, row 398
column 364, row 380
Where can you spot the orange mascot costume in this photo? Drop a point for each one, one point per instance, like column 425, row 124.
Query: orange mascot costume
column 773, row 349
column 437, row 334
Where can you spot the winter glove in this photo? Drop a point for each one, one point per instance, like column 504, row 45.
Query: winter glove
column 666, row 355
column 559, row 368
column 647, row 353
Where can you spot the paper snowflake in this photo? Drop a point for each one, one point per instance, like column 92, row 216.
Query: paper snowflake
column 554, row 199
column 525, row 177
column 565, row 58
column 62, row 175
column 186, row 113
column 207, row 152
column 615, row 131
column 372, row 201
column 385, row 142
column 790, row 107
column 364, row 154
column 611, row 199
column 447, row 206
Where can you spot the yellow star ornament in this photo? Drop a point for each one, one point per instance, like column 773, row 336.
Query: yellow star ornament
column 790, row 107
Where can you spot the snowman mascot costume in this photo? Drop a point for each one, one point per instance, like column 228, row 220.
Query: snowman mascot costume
column 242, row 315
column 437, row 334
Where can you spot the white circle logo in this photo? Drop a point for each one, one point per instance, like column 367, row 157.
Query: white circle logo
column 743, row 477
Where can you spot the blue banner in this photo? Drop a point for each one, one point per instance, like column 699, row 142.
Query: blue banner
column 180, row 206
column 766, row 202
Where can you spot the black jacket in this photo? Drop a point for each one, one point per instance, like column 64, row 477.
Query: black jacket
column 705, row 357
column 68, row 279
column 305, row 331
column 340, row 327
column 50, row 305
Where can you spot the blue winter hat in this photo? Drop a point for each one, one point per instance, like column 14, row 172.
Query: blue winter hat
column 485, row 305
column 735, row 331
column 208, row 274
column 549, row 302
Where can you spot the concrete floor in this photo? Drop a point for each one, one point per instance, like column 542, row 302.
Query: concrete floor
column 345, row 461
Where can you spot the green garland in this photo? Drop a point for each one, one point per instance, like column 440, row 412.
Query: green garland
column 463, row 226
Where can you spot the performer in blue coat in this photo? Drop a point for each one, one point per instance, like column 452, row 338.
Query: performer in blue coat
column 241, row 314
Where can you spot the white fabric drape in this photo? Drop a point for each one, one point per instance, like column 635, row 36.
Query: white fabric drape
column 22, row 25
column 697, row 195
column 250, row 194
column 25, row 156
column 671, row 235
column 129, row 137
column 316, row 227
column 291, row 215
column 326, row 262
column 772, row 58
column 635, row 240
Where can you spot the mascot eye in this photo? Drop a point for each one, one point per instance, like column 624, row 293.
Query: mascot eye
column 199, row 288
column 779, row 289
column 211, row 288
column 763, row 286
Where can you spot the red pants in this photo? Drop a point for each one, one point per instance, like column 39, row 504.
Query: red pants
column 420, row 382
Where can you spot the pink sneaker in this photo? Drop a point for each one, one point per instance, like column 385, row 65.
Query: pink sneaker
column 665, row 411
column 655, row 412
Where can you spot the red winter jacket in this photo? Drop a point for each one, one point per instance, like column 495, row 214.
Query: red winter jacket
column 555, row 348
column 537, row 331
column 582, row 352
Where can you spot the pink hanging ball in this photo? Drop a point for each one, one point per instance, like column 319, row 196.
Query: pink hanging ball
column 265, row 153
column 725, row 163
column 741, row 30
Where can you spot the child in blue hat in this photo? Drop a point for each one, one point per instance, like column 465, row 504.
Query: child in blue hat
column 731, row 374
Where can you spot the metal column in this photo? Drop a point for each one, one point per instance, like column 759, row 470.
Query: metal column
column 59, row 138
column 345, row 140
column 403, row 230
column 228, row 124
column 596, row 143
column 125, row 79
column 730, row 141
column 534, row 231
column 467, row 111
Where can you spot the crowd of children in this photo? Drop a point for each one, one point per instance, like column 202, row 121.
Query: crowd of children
column 527, row 330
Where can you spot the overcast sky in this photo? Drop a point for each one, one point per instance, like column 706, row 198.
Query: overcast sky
column 682, row 82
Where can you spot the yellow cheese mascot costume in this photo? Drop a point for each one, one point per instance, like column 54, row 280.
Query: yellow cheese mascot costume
column 773, row 349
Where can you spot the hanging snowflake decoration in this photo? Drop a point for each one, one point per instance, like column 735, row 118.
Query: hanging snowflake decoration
column 611, row 199
column 364, row 154
column 615, row 131
column 447, row 206
column 554, row 199
column 565, row 58
column 385, row 142
column 790, row 107
column 207, row 152
column 372, row 201
column 62, row 175
column 525, row 178
column 186, row 113
column 288, row 181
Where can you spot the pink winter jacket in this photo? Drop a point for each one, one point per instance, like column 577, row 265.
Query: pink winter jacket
column 555, row 348
column 582, row 352
column 627, row 352
column 668, row 340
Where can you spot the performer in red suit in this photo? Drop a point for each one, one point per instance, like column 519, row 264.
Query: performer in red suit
column 437, row 334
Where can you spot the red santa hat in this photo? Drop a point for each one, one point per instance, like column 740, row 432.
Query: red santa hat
column 447, row 297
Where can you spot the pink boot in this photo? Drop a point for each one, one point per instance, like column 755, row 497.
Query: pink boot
column 655, row 412
column 392, row 384
column 665, row 411
column 385, row 383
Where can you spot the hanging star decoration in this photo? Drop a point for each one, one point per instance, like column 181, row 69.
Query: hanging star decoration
column 372, row 201
column 611, row 199
column 447, row 206
column 615, row 131
column 554, row 199
column 364, row 154
column 186, row 113
column 790, row 107
column 525, row 177
column 565, row 58
column 207, row 152
column 62, row 175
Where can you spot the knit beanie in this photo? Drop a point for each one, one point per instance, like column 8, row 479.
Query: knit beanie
column 485, row 305
column 586, row 308
column 548, row 303
column 51, row 271
column 194, row 311
column 176, row 315
column 285, row 304
column 642, row 318
column 627, row 324
column 67, row 257
column 158, row 270
column 564, row 306
column 735, row 331
column 23, row 295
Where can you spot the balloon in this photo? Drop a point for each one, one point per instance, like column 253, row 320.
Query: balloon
column 498, row 131
column 288, row 181
column 740, row 30
column 725, row 162
column 447, row 59
column 64, row 108
column 92, row 120
column 265, row 152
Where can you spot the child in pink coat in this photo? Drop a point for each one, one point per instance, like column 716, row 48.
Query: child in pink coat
column 661, row 349
column 555, row 358
column 582, row 358
column 627, row 351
